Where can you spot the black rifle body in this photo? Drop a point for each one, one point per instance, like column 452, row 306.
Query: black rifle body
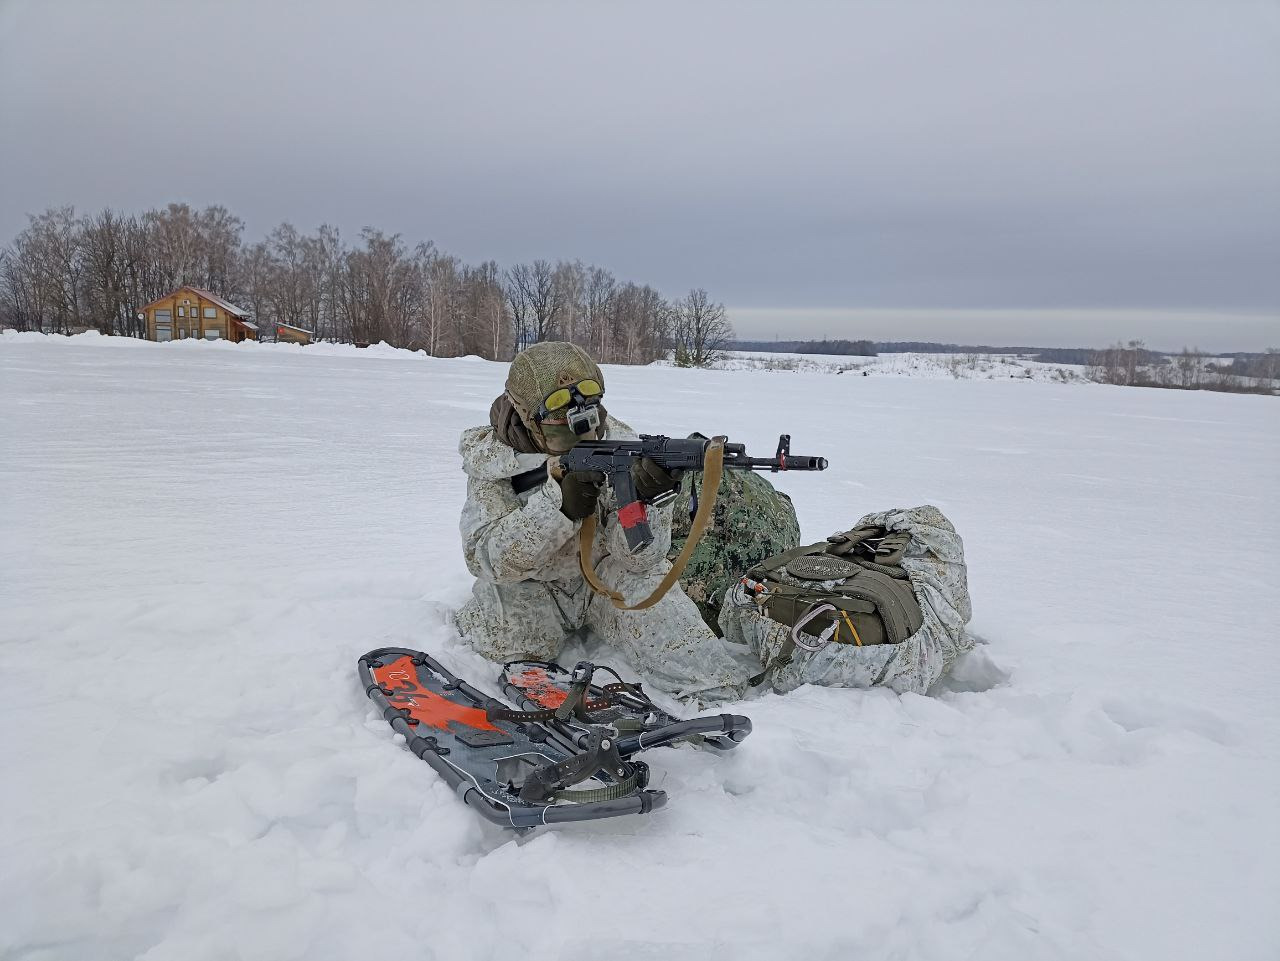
column 614, row 459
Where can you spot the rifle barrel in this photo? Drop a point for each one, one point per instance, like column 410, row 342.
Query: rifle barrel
column 794, row 462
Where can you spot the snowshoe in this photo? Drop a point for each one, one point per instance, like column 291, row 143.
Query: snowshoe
column 571, row 705
column 513, row 770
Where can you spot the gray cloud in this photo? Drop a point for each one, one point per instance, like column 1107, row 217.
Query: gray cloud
column 1098, row 156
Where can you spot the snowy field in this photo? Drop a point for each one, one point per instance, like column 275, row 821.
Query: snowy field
column 971, row 366
column 198, row 540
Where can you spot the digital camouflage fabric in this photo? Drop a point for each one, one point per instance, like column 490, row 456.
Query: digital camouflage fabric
column 934, row 562
column 751, row 520
column 530, row 596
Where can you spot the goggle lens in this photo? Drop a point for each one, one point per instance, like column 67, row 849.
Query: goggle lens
column 562, row 398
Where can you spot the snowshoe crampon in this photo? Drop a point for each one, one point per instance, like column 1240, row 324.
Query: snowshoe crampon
column 570, row 704
column 515, row 772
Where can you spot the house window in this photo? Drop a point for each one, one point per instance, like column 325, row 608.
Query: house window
column 211, row 312
column 186, row 301
column 182, row 311
column 212, row 334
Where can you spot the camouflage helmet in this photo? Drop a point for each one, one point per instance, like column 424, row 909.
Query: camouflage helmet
column 542, row 368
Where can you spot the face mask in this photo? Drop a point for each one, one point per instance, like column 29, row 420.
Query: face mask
column 561, row 438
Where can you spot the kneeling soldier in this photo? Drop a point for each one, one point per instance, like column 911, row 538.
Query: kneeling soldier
column 520, row 527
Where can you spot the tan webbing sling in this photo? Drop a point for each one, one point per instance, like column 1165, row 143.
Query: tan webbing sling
column 712, row 467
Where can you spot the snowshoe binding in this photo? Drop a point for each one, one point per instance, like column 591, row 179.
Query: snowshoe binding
column 571, row 705
column 509, row 767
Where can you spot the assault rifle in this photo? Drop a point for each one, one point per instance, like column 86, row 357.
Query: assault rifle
column 614, row 458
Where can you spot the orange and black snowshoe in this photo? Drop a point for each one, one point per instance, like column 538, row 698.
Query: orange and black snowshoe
column 513, row 769
column 570, row 703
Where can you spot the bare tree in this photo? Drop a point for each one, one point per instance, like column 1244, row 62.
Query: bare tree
column 484, row 323
column 1268, row 367
column 1190, row 366
column 20, row 293
column 599, row 296
column 640, row 321
column 256, row 274
column 1120, row 364
column 702, row 331
column 218, row 231
column 537, row 301
column 323, row 259
column 106, row 251
column 570, row 280
column 380, row 295
column 442, row 293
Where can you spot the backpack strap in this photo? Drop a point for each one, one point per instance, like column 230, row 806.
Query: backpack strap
column 846, row 542
column 892, row 547
column 875, row 548
column 886, row 595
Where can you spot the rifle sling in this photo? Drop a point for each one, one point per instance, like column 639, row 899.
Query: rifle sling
column 712, row 467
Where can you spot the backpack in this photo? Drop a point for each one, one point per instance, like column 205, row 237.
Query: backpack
column 751, row 520
column 884, row 603
column 849, row 589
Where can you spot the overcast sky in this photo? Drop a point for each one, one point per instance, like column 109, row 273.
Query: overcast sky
column 1028, row 172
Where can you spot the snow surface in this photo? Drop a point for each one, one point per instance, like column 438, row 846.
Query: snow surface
column 914, row 364
column 199, row 539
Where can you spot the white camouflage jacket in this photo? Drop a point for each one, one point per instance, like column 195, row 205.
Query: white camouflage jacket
column 509, row 537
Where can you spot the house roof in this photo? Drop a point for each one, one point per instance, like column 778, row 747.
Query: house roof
column 301, row 330
column 247, row 323
column 230, row 308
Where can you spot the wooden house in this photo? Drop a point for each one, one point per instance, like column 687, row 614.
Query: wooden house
column 291, row 334
column 192, row 312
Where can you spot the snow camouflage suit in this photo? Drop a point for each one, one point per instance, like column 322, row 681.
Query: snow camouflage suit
column 934, row 561
column 530, row 595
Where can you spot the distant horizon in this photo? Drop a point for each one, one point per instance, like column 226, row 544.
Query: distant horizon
column 1166, row 331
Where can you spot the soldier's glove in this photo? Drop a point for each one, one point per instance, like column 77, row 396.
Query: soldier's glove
column 579, row 491
column 652, row 480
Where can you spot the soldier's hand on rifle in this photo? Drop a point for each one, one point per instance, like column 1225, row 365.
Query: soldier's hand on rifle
column 652, row 480
column 579, row 491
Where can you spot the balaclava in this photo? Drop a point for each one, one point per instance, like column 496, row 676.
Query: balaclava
column 535, row 373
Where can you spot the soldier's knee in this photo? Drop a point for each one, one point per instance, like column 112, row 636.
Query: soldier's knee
column 504, row 638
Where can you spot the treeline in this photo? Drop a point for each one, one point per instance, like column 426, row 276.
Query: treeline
column 1130, row 364
column 844, row 348
column 65, row 273
column 869, row 348
column 1047, row 355
column 1133, row 357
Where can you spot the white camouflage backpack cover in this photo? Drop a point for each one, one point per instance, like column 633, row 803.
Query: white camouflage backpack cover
column 839, row 613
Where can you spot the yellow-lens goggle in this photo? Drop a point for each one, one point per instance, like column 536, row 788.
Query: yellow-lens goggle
column 563, row 397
